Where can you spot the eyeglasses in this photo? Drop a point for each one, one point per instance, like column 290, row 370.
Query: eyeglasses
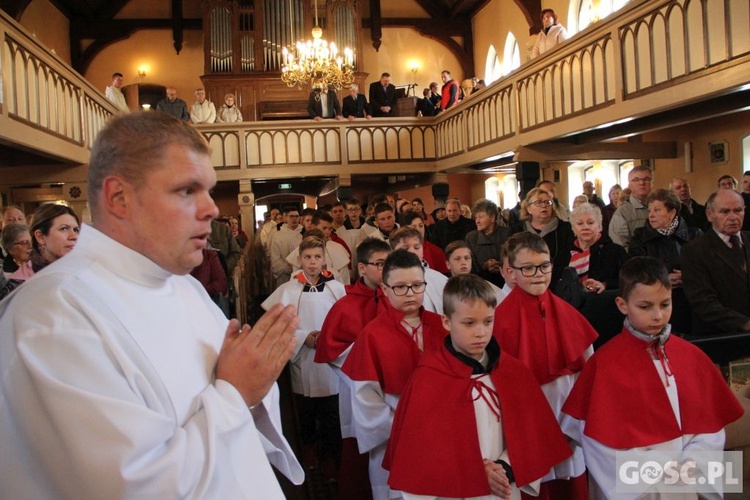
column 400, row 290
column 353, row 210
column 529, row 271
column 636, row 180
column 378, row 264
column 24, row 243
column 542, row 203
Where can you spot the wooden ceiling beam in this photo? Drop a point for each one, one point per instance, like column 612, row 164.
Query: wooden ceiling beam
column 433, row 9
column 14, row 8
column 531, row 10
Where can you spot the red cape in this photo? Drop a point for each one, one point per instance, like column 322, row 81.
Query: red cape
column 384, row 352
column 434, row 433
column 623, row 401
column 545, row 333
column 435, row 257
column 346, row 319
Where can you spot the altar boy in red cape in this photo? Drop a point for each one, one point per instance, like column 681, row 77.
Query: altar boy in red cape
column 363, row 301
column 472, row 420
column 646, row 389
column 553, row 340
column 384, row 356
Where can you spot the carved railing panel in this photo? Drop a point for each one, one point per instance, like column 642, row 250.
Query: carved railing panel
column 682, row 37
column 42, row 94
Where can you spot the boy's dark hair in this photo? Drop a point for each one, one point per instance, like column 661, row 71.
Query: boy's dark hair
column 312, row 241
column 321, row 215
column 407, row 218
column 525, row 240
column 326, row 208
column 307, row 211
column 403, row 233
column 400, row 259
column 353, row 201
column 453, row 246
column 379, row 198
column 337, row 204
column 370, row 246
column 642, row 271
column 117, row 73
column 289, row 208
column 383, row 207
column 467, row 288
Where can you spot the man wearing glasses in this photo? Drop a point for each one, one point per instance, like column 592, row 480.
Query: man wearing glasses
column 633, row 213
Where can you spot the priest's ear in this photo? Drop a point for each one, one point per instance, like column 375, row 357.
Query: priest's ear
column 116, row 195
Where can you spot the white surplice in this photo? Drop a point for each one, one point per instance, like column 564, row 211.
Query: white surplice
column 311, row 379
column 108, row 391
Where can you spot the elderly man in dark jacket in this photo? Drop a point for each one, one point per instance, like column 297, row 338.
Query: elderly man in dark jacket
column 454, row 227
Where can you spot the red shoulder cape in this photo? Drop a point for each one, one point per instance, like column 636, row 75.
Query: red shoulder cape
column 623, row 401
column 435, row 257
column 384, row 352
column 346, row 319
column 434, row 428
column 545, row 333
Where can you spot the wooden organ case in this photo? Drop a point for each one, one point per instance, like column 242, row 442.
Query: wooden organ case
column 243, row 42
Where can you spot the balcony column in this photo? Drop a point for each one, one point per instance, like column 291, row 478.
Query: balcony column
column 246, row 203
column 344, row 189
column 76, row 195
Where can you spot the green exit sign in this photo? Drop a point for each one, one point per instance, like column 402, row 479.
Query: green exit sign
column 285, row 186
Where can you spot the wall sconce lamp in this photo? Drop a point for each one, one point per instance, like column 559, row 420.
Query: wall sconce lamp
column 142, row 71
column 414, row 67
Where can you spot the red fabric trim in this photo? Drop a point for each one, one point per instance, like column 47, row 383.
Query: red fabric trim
column 434, row 430
column 347, row 318
column 435, row 257
column 384, row 351
column 624, row 403
column 545, row 333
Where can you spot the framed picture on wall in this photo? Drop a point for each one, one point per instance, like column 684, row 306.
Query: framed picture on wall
column 718, row 152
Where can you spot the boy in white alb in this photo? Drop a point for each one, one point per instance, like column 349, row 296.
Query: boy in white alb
column 384, row 356
column 313, row 291
column 646, row 389
column 471, row 417
column 553, row 340
column 337, row 259
column 410, row 239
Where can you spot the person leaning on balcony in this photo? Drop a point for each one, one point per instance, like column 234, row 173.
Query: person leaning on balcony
column 229, row 112
column 355, row 105
column 550, row 35
column 174, row 105
column 114, row 94
column 203, row 110
column 322, row 105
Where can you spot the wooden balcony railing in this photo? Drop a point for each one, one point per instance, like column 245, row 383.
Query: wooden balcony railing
column 650, row 56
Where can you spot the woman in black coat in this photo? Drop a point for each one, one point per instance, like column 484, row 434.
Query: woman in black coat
column 662, row 237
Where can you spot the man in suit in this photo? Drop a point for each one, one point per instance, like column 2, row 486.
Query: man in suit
column 355, row 105
column 715, row 269
column 323, row 104
column 693, row 212
column 383, row 96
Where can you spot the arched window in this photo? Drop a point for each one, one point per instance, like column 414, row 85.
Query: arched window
column 511, row 55
column 583, row 12
column 492, row 70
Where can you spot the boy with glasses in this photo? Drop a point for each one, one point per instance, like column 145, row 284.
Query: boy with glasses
column 384, row 356
column 363, row 302
column 354, row 219
column 553, row 340
column 410, row 239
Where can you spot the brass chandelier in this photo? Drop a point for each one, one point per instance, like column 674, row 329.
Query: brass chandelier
column 317, row 63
